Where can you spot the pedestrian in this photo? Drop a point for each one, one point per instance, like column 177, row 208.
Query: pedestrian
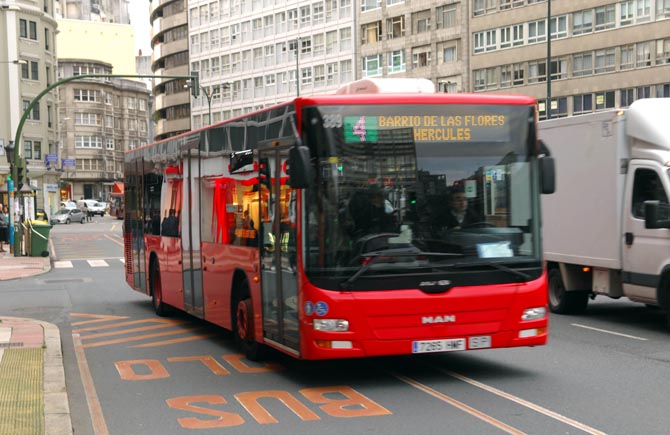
column 4, row 228
column 87, row 213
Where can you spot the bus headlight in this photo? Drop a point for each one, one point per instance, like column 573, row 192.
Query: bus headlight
column 534, row 313
column 336, row 325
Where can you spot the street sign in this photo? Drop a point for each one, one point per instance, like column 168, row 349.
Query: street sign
column 51, row 158
column 68, row 162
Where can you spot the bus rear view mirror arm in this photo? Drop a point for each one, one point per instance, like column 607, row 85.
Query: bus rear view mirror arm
column 300, row 168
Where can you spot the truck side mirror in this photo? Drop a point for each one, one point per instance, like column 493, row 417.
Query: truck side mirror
column 299, row 167
column 651, row 218
column 547, row 174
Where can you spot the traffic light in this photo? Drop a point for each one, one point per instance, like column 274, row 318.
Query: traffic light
column 21, row 174
column 195, row 84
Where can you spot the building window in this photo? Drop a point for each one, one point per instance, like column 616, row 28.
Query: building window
column 663, row 50
column 88, row 142
column 559, row 69
column 627, row 57
column 372, row 65
column 537, row 71
column 582, row 64
column 643, row 11
column 32, row 30
column 604, row 100
column 421, row 22
column 582, row 104
column 662, row 9
column 395, row 27
column 421, row 56
column 369, row 5
column 559, row 27
column 518, row 73
column 605, row 61
column 371, row 32
column 643, row 54
column 449, row 54
column 445, row 16
column 396, row 61
column 110, row 144
column 86, row 119
column 605, row 17
column 582, row 22
column 86, row 95
column 28, row 149
column 537, row 31
column 626, row 12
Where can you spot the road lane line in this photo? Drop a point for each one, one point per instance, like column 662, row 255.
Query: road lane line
column 460, row 405
column 609, row 332
column 139, row 337
column 94, row 408
column 113, row 240
column 522, row 402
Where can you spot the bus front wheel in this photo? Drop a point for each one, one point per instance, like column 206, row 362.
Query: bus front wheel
column 245, row 332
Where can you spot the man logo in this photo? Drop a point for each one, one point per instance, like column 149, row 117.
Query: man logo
column 428, row 320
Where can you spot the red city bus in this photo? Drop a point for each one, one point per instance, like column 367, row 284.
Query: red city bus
column 321, row 227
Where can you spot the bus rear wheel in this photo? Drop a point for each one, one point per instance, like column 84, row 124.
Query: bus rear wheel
column 245, row 331
column 160, row 307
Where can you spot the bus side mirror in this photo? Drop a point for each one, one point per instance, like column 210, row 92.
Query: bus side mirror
column 299, row 167
column 547, row 175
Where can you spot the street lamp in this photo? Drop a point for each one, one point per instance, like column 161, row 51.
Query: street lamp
column 208, row 94
column 15, row 62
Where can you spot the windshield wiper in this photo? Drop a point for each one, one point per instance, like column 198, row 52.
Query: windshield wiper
column 378, row 256
column 493, row 265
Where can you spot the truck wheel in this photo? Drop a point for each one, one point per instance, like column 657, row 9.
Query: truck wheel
column 565, row 302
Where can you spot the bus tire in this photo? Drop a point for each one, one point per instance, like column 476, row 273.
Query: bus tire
column 244, row 330
column 562, row 301
column 156, row 285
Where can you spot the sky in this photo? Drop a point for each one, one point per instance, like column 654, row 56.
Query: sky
column 139, row 18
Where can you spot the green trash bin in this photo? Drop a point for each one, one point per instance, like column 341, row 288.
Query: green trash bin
column 39, row 239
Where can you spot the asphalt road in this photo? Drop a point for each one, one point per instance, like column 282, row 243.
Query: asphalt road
column 130, row 372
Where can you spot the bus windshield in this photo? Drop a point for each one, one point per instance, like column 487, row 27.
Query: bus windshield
column 410, row 194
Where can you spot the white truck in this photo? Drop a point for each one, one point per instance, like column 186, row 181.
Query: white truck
column 606, row 228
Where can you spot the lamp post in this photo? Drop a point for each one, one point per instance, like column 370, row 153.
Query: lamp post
column 13, row 156
column 297, row 67
column 208, row 95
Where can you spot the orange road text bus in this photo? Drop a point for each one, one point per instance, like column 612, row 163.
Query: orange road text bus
column 349, row 225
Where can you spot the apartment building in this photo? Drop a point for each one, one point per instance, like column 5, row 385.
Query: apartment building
column 251, row 54
column 425, row 38
column 172, row 111
column 100, row 119
column 27, row 67
column 604, row 54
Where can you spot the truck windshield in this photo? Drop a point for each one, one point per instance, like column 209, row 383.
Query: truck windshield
column 406, row 193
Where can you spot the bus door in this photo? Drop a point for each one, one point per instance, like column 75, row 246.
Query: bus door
column 278, row 250
column 134, row 224
column 190, row 238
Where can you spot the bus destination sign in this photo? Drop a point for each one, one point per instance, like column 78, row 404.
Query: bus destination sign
column 429, row 128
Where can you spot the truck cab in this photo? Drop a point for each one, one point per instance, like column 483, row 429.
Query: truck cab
column 606, row 228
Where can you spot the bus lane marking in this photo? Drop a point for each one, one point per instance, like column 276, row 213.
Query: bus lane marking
column 460, row 405
column 523, row 402
column 94, row 408
column 95, row 318
column 120, row 243
column 606, row 331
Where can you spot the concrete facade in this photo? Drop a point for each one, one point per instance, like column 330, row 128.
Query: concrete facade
column 604, row 54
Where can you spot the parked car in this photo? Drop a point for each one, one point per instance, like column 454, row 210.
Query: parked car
column 67, row 215
column 94, row 207
column 68, row 204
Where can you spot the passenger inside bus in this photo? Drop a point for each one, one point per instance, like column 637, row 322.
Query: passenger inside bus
column 170, row 225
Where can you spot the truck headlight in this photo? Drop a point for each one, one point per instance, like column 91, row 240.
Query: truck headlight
column 534, row 313
column 337, row 325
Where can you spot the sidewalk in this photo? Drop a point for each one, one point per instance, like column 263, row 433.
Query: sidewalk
column 33, row 395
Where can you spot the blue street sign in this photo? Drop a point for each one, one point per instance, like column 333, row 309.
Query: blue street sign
column 51, row 158
column 68, row 162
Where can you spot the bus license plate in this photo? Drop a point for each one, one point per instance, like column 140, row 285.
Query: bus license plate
column 430, row 346
column 479, row 342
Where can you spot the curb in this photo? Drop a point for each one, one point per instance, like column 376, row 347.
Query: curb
column 57, row 419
